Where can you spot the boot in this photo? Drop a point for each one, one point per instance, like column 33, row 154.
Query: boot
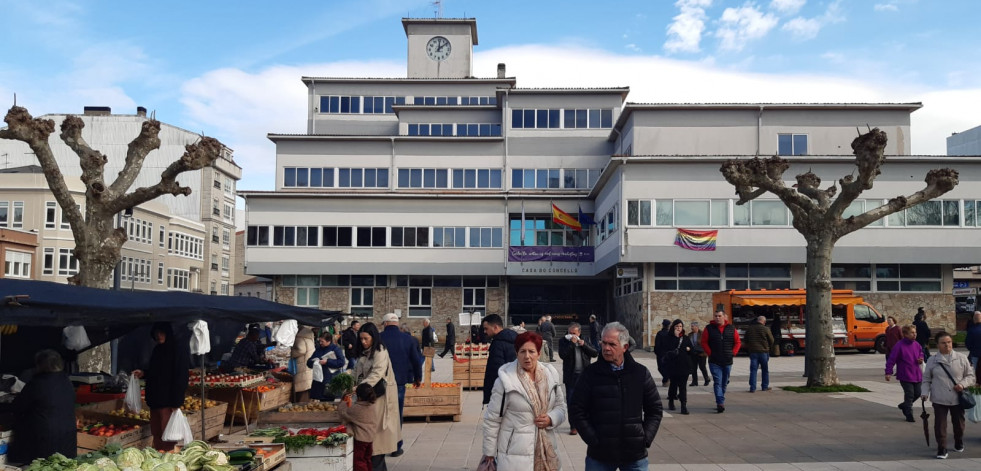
column 684, row 408
column 670, row 404
column 694, row 382
column 706, row 382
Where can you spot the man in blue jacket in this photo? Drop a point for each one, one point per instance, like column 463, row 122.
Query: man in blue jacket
column 405, row 358
column 501, row 350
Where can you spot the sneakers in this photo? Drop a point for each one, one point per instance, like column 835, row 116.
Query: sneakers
column 959, row 447
column 768, row 389
column 396, row 453
column 720, row 408
column 684, row 410
column 941, row 453
column 706, row 383
column 694, row 383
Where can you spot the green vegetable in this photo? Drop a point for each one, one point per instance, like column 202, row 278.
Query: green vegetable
column 297, row 442
column 130, row 458
column 55, row 462
column 341, row 384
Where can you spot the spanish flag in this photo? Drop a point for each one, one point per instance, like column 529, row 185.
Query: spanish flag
column 696, row 240
column 564, row 218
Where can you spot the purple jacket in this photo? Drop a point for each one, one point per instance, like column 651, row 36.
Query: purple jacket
column 906, row 355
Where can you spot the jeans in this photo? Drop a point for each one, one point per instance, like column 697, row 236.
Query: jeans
column 401, row 388
column 761, row 360
column 720, row 379
column 911, row 392
column 593, row 465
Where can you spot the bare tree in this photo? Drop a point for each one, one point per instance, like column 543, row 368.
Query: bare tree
column 817, row 216
column 97, row 242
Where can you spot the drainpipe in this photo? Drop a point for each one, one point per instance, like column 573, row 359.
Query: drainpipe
column 391, row 167
column 759, row 130
column 505, row 180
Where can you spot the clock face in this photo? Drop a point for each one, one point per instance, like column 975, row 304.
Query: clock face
column 438, row 48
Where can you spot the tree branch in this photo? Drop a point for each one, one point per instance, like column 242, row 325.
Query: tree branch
column 939, row 181
column 147, row 141
column 91, row 161
column 756, row 176
column 869, row 150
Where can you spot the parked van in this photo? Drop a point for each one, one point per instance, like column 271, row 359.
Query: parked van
column 856, row 324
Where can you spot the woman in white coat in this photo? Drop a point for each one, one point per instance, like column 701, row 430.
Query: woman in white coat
column 945, row 376
column 373, row 365
column 526, row 405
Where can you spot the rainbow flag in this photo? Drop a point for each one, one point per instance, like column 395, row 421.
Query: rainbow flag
column 564, row 218
column 696, row 240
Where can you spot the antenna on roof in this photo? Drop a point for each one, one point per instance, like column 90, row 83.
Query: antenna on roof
column 439, row 8
column 15, row 99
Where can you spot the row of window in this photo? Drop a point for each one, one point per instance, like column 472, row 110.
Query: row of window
column 67, row 264
column 16, row 264
column 545, row 178
column 719, row 212
column 185, row 245
column 378, row 236
column 12, row 214
column 449, row 178
column 327, row 177
column 357, row 104
column 420, row 290
column 138, row 230
column 886, row 277
column 229, row 185
column 455, row 129
column 543, row 231
column 557, row 118
column 382, row 281
column 606, row 225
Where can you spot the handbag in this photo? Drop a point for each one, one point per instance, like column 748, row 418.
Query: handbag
column 381, row 386
column 964, row 398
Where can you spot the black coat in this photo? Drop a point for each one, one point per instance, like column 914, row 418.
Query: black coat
column 677, row 365
column 166, row 375
column 427, row 336
column 617, row 413
column 350, row 337
column 450, row 333
column 501, row 352
column 44, row 422
column 568, row 352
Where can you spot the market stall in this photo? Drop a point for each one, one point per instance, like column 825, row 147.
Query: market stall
column 432, row 400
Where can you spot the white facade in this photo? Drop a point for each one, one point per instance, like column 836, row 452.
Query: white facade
column 463, row 174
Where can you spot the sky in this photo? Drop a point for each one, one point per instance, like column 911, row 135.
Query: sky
column 231, row 70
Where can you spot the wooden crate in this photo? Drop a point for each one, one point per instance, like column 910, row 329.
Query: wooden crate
column 254, row 401
column 214, row 420
column 470, row 373
column 321, row 458
column 125, row 439
column 429, row 402
column 275, row 453
column 312, row 417
column 143, row 443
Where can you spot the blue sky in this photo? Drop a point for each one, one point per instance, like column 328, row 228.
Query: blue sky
column 232, row 69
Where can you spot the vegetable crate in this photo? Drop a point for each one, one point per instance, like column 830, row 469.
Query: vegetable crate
column 129, row 438
column 251, row 401
column 272, row 453
column 322, row 458
column 299, row 417
column 429, row 402
column 469, row 372
column 471, row 350
column 214, row 420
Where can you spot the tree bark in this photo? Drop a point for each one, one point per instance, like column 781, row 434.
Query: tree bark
column 820, row 350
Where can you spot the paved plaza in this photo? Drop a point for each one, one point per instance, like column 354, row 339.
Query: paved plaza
column 765, row 430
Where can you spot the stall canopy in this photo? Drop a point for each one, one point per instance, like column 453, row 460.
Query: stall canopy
column 41, row 303
column 778, row 299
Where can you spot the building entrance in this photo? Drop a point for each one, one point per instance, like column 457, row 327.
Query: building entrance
column 565, row 300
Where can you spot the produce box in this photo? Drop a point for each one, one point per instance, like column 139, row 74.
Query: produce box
column 257, row 399
column 123, row 431
column 272, row 453
column 311, row 412
column 470, row 373
column 321, row 458
column 109, row 411
column 471, row 350
column 438, row 399
column 214, row 420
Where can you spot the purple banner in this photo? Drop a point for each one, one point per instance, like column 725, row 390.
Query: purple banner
column 549, row 253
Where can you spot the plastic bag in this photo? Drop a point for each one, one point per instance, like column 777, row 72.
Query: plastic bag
column 286, row 333
column 133, row 401
column 318, row 371
column 75, row 338
column 178, row 430
column 200, row 338
column 974, row 413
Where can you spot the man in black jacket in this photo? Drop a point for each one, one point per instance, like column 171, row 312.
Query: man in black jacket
column 501, row 350
column 450, row 338
column 351, row 344
column 427, row 339
column 547, row 330
column 616, row 408
column 576, row 353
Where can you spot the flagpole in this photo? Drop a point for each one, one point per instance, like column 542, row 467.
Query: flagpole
column 522, row 223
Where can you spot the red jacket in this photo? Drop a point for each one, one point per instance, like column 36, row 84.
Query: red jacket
column 736, row 343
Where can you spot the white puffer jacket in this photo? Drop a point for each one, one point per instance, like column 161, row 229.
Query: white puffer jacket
column 511, row 437
column 937, row 385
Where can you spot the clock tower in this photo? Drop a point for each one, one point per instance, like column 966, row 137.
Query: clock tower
column 440, row 47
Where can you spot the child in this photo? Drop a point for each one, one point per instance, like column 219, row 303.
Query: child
column 361, row 418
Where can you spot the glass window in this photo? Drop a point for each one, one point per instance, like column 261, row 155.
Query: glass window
column 692, row 213
column 289, row 176
column 927, row 213
column 769, row 213
column 664, row 210
column 720, row 212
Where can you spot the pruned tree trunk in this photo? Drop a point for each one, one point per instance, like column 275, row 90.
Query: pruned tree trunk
column 820, row 350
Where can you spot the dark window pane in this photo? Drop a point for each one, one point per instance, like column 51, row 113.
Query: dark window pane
column 377, row 236
column 460, row 238
column 441, row 100
column 457, row 178
column 364, row 237
column 766, row 270
column 485, row 130
column 289, row 239
column 330, row 237
column 438, row 237
column 665, row 285
column 698, row 270
column 469, row 178
column 302, row 178
column 369, row 178
column 357, row 181
column 344, row 236
column 483, row 178
column 738, row 270
column 495, row 178
column 516, row 178
column 335, row 104
column 278, row 236
column 541, row 120
column 418, row 100
column 345, row 104
column 606, row 120
column 328, row 177
column 473, row 130
column 383, row 178
column 698, row 285
column 800, row 144
column 344, row 178
column 517, row 120
column 887, row 271
column 415, row 178
column 324, row 104
column 422, row 237
column 553, row 118
column 369, row 105
column 919, row 271
column 312, row 236
column 409, row 237
column 570, row 118
column 581, row 119
column 785, row 144
column 389, row 101
column 396, row 237
column 413, row 129
column 429, row 178
column 252, row 237
column 289, row 177
column 316, row 177
column 441, row 177
column 529, row 118
column 665, row 269
column 403, row 178
column 264, row 235
column 423, row 129
column 594, row 118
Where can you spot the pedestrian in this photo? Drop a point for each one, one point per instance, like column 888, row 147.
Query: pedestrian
column 301, row 351
column 428, row 340
column 922, row 332
column 594, row 332
column 166, row 379
column 44, row 413
column 352, row 344
column 660, row 342
column 776, row 330
column 406, row 360
column 547, row 331
column 698, row 357
column 450, row 339
column 526, row 406
column 576, row 354
column 972, row 339
column 945, row 376
column 677, row 364
column 375, row 365
column 501, row 350
column 616, row 407
column 325, row 363
column 907, row 356
column 759, row 341
column 361, row 417
column 519, row 328
column 721, row 343
column 894, row 333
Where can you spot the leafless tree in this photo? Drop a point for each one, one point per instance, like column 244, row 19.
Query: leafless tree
column 817, row 215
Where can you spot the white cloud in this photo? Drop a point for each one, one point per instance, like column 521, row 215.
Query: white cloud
column 787, row 7
column 633, row 47
column 885, row 7
column 685, row 32
column 743, row 24
column 802, row 28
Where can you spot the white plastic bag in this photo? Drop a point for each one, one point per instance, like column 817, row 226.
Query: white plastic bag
column 435, row 337
column 286, row 333
column 75, row 338
column 200, row 338
column 133, row 401
column 318, row 371
column 178, row 430
column 974, row 413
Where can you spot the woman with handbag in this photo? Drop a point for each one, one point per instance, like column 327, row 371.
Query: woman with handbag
column 526, row 405
column 677, row 364
column 945, row 378
column 375, row 369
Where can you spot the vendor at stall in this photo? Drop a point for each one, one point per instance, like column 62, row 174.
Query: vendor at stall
column 248, row 353
column 166, row 380
column 44, row 422
column 327, row 361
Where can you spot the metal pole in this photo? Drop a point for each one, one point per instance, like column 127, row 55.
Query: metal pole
column 114, row 343
column 204, row 398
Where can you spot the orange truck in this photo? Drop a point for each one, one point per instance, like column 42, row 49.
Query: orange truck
column 856, row 323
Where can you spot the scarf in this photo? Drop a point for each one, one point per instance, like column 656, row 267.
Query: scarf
column 537, row 390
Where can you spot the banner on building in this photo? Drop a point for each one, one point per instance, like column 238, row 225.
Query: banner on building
column 550, row 253
column 696, row 240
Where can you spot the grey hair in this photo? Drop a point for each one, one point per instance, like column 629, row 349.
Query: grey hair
column 761, row 319
column 623, row 335
column 48, row 361
column 574, row 325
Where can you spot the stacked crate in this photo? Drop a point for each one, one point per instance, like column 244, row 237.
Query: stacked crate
column 470, row 363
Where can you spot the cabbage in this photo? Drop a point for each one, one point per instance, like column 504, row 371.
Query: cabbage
column 150, row 463
column 216, row 457
column 130, row 458
column 106, row 464
column 167, row 466
column 87, row 467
